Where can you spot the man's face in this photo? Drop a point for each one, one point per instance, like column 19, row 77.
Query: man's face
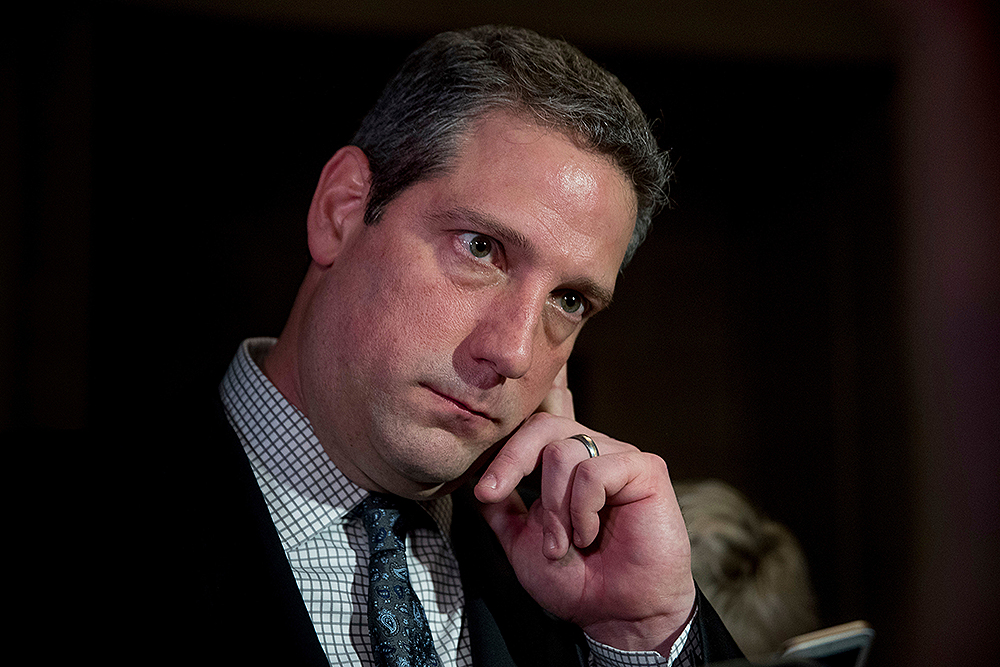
column 435, row 332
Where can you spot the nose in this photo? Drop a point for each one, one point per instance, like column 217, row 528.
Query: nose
column 505, row 335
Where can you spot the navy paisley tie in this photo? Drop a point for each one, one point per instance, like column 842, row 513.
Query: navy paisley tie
column 399, row 631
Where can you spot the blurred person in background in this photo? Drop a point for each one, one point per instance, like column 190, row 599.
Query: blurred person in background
column 750, row 567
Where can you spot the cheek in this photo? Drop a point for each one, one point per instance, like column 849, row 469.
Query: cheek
column 407, row 311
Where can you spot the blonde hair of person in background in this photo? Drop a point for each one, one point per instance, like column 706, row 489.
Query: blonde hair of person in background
column 750, row 568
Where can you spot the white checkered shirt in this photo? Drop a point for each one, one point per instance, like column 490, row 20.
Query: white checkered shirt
column 310, row 503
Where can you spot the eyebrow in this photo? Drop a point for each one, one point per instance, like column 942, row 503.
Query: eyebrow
column 598, row 295
column 489, row 225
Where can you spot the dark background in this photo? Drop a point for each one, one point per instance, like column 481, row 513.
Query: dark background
column 814, row 320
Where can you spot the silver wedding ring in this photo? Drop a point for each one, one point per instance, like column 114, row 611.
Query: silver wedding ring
column 588, row 442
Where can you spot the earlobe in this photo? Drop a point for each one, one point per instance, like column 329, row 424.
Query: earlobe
column 338, row 204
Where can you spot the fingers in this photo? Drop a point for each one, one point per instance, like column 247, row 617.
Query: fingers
column 541, row 440
column 559, row 465
column 559, row 400
column 569, row 513
column 574, row 487
column 612, row 480
column 522, row 454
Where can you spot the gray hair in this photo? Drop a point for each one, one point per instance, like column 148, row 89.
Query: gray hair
column 415, row 128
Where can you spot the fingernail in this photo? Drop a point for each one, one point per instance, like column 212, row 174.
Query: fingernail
column 489, row 480
column 549, row 541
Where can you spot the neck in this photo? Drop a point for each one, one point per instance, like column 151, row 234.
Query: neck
column 281, row 365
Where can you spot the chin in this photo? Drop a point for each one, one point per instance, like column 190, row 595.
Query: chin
column 428, row 474
column 437, row 463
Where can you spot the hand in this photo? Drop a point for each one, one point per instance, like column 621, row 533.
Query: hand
column 559, row 400
column 604, row 546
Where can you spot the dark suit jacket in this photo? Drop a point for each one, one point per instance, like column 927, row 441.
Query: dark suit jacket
column 238, row 602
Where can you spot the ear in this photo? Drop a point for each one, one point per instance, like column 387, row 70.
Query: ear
column 338, row 205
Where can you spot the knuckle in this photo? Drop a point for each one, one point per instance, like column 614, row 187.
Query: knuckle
column 506, row 459
column 560, row 454
column 587, row 474
column 655, row 462
column 539, row 419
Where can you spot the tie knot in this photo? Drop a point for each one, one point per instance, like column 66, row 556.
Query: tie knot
column 384, row 521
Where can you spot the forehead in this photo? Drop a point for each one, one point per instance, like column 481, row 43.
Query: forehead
column 572, row 201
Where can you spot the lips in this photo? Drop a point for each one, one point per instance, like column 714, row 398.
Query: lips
column 467, row 407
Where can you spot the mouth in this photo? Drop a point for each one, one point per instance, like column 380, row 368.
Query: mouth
column 462, row 405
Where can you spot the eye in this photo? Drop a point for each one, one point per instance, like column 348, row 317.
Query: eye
column 572, row 302
column 479, row 246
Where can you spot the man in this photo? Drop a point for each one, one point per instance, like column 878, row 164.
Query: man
column 478, row 220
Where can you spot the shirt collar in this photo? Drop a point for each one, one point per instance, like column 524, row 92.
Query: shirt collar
column 304, row 489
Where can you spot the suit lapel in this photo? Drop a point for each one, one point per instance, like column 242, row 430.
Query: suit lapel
column 249, row 608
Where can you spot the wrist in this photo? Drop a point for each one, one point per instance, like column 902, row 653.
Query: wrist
column 657, row 633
